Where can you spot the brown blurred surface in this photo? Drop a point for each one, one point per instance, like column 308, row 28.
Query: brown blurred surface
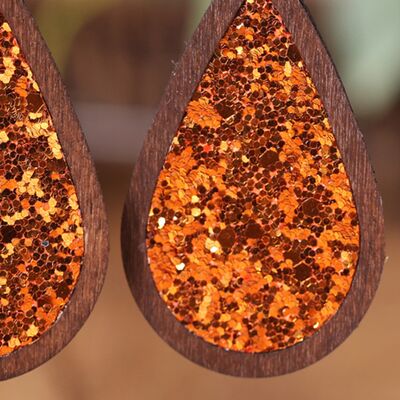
column 124, row 41
column 117, row 355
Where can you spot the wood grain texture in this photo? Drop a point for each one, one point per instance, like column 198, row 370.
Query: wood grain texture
column 89, row 195
column 350, row 141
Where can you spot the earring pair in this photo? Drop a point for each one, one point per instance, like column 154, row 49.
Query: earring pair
column 252, row 232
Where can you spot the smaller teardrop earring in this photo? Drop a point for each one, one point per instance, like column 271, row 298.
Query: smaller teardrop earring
column 53, row 229
column 253, row 229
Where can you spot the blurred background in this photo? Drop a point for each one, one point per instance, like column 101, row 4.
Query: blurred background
column 116, row 57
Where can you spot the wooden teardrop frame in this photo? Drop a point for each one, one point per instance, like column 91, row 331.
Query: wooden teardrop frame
column 88, row 190
column 351, row 144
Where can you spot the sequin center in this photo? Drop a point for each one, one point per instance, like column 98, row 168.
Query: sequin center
column 253, row 235
column 41, row 235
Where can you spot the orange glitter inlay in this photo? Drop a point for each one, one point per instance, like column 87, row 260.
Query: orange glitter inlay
column 41, row 235
column 253, row 235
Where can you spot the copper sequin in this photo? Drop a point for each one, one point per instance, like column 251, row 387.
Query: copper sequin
column 41, row 235
column 253, row 235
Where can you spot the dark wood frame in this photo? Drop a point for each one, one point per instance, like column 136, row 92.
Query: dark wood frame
column 350, row 141
column 88, row 190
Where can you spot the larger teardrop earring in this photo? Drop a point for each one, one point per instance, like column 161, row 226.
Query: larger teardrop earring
column 53, row 231
column 253, row 229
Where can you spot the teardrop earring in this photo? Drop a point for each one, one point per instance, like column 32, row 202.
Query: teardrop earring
column 253, row 229
column 53, row 231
